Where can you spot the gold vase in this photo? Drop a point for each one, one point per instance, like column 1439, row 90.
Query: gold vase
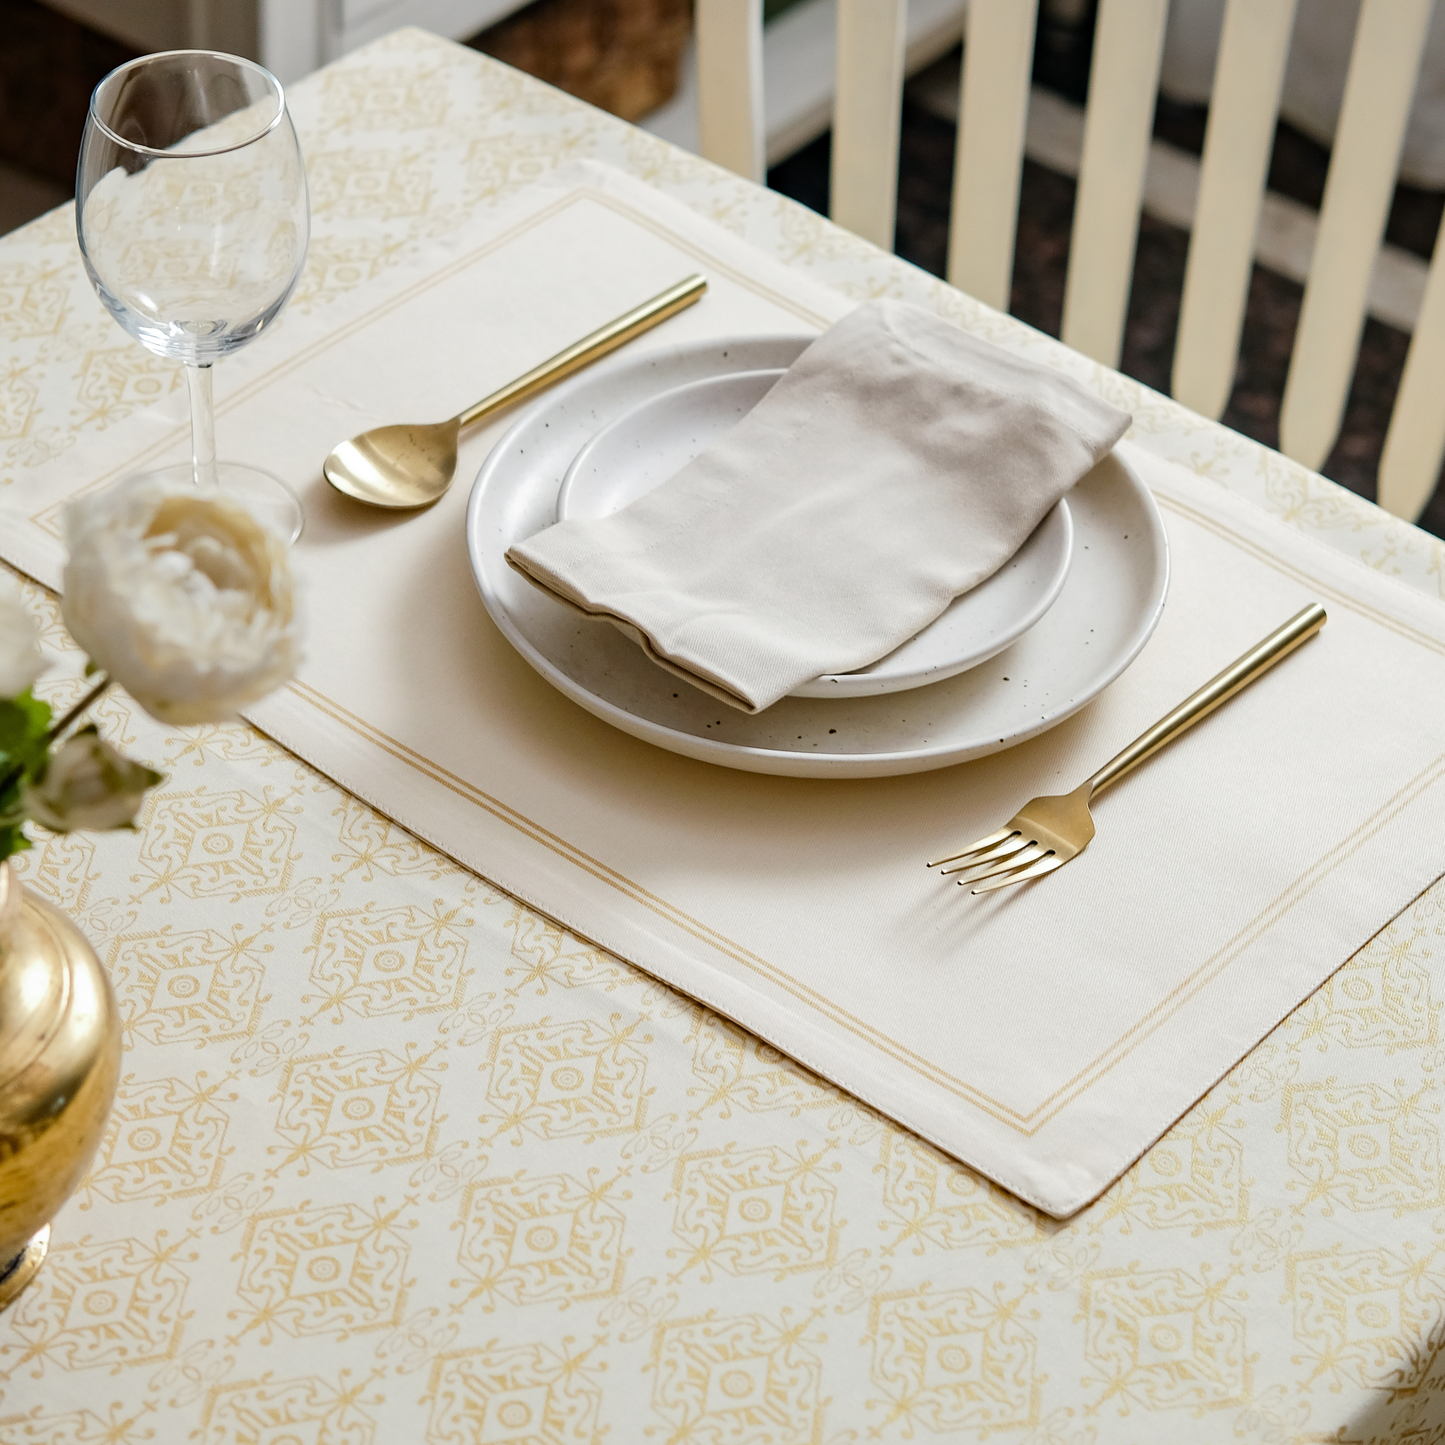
column 59, row 1061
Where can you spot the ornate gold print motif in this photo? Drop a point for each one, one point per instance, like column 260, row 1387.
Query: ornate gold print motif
column 524, row 1395
column 335, row 264
column 932, row 1200
column 341, row 1110
column 1381, row 997
column 204, row 200
column 557, row 1080
column 529, row 1241
column 548, row 956
column 1362, row 1146
column 233, row 742
column 111, row 1304
column 1357, row 1315
column 19, row 396
column 1164, row 1340
column 306, row 1411
column 739, row 1070
column 956, row 1360
column 374, row 184
column 756, row 1211
column 371, row 847
column 403, row 961
column 660, row 164
column 219, row 845
column 1193, row 1178
column 34, row 299
column 165, row 1141
column 498, row 166
column 339, row 1270
column 113, row 382
column 399, row 98
column 118, row 1426
column 746, row 1379
column 195, row 987
column 165, row 263
column 62, row 870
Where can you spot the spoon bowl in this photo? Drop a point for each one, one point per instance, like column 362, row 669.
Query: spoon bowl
column 396, row 466
column 411, row 465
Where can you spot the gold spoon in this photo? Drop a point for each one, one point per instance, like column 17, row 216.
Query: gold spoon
column 411, row 466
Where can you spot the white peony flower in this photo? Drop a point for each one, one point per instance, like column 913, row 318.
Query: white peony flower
column 20, row 659
column 88, row 784
column 182, row 596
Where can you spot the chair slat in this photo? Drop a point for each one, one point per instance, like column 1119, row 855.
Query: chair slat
column 729, row 37
column 1378, row 90
column 1128, row 45
column 992, row 113
column 1415, row 442
column 1248, row 77
column 867, row 116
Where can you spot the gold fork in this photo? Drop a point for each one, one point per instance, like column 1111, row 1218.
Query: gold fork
column 1045, row 833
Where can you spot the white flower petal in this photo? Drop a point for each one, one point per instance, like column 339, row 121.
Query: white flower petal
column 182, row 596
column 20, row 659
column 88, row 785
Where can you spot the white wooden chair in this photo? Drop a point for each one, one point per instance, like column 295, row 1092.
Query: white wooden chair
column 1128, row 43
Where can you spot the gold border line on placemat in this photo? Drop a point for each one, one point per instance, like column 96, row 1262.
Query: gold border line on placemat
column 1298, row 574
column 1028, row 1123
column 1025, row 1123
column 46, row 517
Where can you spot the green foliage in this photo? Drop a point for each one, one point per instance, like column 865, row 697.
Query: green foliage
column 24, row 750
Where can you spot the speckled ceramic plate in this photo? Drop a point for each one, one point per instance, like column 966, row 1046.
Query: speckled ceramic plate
column 1108, row 607
column 651, row 443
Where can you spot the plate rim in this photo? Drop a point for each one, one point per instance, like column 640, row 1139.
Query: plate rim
column 745, row 757
column 863, row 682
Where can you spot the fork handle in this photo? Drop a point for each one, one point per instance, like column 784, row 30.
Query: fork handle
column 1235, row 678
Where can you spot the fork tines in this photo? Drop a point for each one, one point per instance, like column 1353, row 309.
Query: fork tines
column 1008, row 856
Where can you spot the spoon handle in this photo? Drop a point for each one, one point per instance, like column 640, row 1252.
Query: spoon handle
column 590, row 348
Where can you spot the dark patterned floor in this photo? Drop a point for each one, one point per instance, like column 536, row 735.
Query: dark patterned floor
column 1045, row 217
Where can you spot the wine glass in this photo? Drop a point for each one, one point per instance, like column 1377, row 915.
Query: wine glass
column 193, row 218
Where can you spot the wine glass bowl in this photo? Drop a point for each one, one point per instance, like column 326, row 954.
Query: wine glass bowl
column 193, row 220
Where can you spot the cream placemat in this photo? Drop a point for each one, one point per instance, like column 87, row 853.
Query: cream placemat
column 1046, row 1036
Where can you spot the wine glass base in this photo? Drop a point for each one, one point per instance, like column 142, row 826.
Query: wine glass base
column 266, row 497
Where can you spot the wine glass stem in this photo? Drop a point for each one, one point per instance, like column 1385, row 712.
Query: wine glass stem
column 203, row 427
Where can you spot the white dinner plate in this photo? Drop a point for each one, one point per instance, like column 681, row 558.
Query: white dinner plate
column 654, row 441
column 1109, row 605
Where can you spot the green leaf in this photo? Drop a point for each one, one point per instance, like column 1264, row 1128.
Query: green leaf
column 24, row 747
column 22, row 719
column 24, row 753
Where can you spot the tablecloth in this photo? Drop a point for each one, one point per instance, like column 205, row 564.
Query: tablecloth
column 354, row 1192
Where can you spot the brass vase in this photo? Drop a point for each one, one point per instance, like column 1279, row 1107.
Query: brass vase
column 59, row 1062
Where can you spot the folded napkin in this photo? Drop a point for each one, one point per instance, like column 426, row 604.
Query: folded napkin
column 895, row 465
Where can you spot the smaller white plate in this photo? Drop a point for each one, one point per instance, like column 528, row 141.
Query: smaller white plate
column 1109, row 607
column 654, row 441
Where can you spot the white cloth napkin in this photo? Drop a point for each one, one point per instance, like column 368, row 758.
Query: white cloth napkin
column 897, row 464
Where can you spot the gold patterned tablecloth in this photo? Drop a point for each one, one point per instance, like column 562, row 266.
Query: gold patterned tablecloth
column 394, row 1159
